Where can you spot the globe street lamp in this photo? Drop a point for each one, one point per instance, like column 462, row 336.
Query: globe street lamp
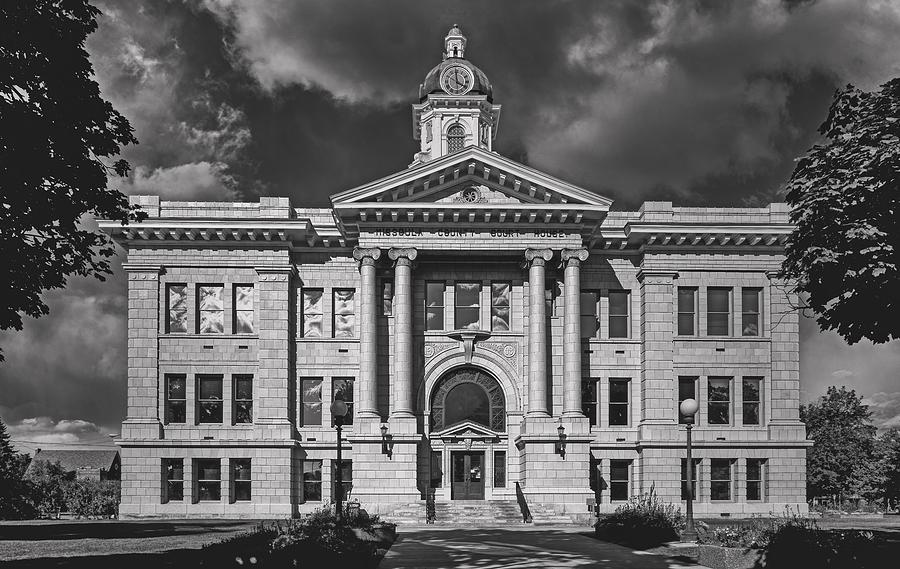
column 338, row 412
column 688, row 409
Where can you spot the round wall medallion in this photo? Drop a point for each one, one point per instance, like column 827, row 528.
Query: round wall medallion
column 471, row 195
column 509, row 350
column 429, row 351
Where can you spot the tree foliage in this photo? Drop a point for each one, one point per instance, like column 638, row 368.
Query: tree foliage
column 844, row 252
column 843, row 443
column 58, row 137
column 15, row 494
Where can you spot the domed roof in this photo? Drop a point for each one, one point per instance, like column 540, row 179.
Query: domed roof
column 432, row 83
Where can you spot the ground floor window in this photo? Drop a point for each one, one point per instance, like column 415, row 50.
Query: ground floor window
column 695, row 476
column 720, row 478
column 596, row 478
column 756, row 479
column 240, row 479
column 346, row 476
column 209, row 479
column 312, row 480
column 499, row 469
column 618, row 479
column 437, row 470
column 173, row 473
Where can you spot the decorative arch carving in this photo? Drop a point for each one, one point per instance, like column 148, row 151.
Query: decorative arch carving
column 475, row 385
column 503, row 369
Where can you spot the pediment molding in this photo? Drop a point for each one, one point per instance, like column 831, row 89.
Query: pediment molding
column 466, row 430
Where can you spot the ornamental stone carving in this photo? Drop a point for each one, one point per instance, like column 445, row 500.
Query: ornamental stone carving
column 537, row 256
column 402, row 256
column 573, row 257
column 366, row 256
column 432, row 350
column 505, row 349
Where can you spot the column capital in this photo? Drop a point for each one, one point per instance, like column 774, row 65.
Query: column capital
column 403, row 256
column 573, row 257
column 537, row 257
column 366, row 256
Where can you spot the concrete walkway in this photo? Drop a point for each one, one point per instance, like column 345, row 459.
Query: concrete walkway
column 526, row 548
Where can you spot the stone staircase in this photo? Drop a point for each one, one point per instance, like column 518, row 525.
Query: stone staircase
column 481, row 513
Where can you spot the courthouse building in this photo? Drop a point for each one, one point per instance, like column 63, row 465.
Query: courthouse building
column 493, row 329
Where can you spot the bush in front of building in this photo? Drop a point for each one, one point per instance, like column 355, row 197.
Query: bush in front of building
column 87, row 498
column 644, row 521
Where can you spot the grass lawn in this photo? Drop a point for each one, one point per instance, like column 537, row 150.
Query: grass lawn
column 107, row 543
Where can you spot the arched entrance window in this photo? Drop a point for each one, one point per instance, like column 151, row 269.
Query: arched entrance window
column 468, row 394
column 456, row 137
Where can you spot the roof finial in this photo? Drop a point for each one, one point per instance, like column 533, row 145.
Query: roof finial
column 455, row 43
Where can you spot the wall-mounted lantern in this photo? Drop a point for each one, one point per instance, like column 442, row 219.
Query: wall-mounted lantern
column 561, row 443
column 387, row 441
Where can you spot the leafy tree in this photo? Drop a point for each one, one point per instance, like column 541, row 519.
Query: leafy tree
column 843, row 442
column 57, row 139
column 49, row 484
column 888, row 451
column 845, row 251
column 14, row 492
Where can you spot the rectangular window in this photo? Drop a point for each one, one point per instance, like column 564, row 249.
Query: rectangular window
column 618, row 313
column 311, row 395
column 687, row 311
column 552, row 296
column 240, row 479
column 434, row 306
column 718, row 311
column 618, row 401
column 342, row 388
column 173, row 471
column 695, row 475
column 720, row 478
column 211, row 308
column 468, row 306
column 618, row 479
column 209, row 398
column 344, row 324
column 756, row 479
column 387, row 298
column 346, row 476
column 176, row 398
column 590, row 404
column 312, row 480
column 719, row 404
column 687, row 389
column 750, row 311
column 243, row 309
column 176, row 307
column 588, row 311
column 312, row 312
column 499, row 469
column 437, row 469
column 752, row 403
column 209, row 479
column 243, row 399
column 500, row 306
column 595, row 478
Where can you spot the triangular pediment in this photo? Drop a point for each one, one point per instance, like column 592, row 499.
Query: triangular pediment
column 467, row 430
column 434, row 181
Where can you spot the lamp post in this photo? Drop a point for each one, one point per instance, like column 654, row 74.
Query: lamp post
column 688, row 409
column 338, row 412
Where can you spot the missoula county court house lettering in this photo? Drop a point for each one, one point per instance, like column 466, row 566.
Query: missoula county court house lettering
column 491, row 328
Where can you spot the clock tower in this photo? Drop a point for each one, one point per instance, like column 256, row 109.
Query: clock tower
column 455, row 107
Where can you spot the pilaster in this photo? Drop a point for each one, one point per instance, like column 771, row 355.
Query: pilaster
column 272, row 421
column 657, row 350
column 367, row 418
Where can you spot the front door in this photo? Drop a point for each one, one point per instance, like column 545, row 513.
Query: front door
column 468, row 476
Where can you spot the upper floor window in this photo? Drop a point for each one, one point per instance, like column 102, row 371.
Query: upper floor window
column 243, row 309
column 312, row 312
column 687, row 311
column 500, row 307
column 211, row 307
column 590, row 404
column 387, row 298
column 751, row 392
column 719, row 404
column 687, row 389
column 456, row 138
column 342, row 388
column 176, row 308
column 618, row 313
column 344, row 313
column 311, row 399
column 468, row 306
column 588, row 311
column 434, row 306
column 176, row 398
column 618, row 401
column 750, row 311
column 209, row 398
column 718, row 311
column 243, row 399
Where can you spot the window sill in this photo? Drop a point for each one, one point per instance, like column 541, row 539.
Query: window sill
column 722, row 338
column 209, row 336
column 612, row 340
column 353, row 340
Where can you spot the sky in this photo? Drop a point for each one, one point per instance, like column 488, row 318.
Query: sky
column 699, row 103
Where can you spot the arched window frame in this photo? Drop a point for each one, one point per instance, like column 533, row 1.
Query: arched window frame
column 456, row 137
column 479, row 377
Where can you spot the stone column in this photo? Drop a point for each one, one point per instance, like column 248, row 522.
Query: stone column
column 401, row 399
column 571, row 261
column 367, row 404
column 536, row 259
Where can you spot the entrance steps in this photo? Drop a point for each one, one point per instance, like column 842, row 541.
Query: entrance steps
column 480, row 513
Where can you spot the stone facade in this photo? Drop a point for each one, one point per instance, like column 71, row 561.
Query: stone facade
column 492, row 327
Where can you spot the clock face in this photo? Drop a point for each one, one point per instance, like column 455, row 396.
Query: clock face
column 457, row 80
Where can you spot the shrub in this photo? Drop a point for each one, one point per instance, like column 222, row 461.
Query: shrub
column 644, row 521
column 87, row 498
column 251, row 549
column 320, row 537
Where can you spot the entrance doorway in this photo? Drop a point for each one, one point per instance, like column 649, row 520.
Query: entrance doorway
column 467, row 476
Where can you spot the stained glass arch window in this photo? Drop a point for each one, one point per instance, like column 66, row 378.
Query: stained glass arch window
column 456, row 137
column 468, row 394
